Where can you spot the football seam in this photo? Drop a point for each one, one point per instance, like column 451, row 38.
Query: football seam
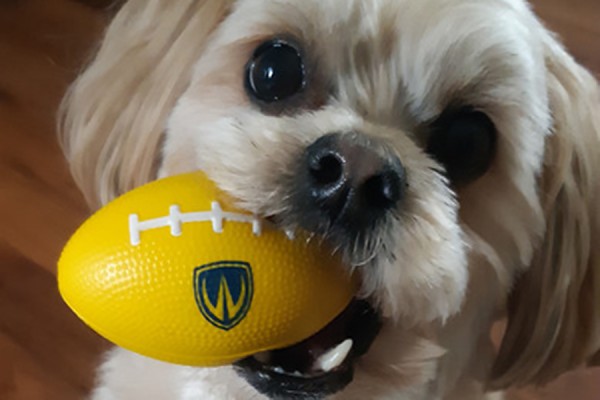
column 175, row 219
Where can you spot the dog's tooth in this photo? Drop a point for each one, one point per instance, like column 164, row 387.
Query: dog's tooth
column 334, row 357
column 264, row 357
column 290, row 233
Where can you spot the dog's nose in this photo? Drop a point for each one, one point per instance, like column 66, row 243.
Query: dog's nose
column 350, row 183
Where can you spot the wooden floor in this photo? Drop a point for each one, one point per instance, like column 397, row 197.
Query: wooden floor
column 45, row 352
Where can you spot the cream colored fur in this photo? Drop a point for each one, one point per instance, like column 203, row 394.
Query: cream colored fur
column 165, row 95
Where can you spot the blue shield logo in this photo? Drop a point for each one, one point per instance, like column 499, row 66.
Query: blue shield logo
column 224, row 292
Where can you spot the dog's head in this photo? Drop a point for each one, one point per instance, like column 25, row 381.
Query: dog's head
column 424, row 140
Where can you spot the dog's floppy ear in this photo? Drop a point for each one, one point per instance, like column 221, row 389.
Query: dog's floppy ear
column 554, row 309
column 113, row 117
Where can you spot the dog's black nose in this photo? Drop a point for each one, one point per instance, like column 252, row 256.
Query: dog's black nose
column 349, row 182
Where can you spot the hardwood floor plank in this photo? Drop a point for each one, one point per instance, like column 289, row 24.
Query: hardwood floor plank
column 46, row 43
column 40, row 338
column 45, row 351
column 23, row 379
column 577, row 23
column 46, row 215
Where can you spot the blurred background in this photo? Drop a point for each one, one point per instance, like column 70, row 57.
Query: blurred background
column 45, row 352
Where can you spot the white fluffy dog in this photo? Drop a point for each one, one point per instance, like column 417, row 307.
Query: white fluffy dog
column 449, row 149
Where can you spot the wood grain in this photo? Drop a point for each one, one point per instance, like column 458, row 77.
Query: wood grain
column 45, row 352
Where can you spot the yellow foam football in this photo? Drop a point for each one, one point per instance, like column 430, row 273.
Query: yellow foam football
column 170, row 271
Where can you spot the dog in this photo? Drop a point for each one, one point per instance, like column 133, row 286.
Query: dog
column 449, row 150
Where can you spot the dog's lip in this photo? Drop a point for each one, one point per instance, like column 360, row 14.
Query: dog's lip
column 284, row 386
column 296, row 372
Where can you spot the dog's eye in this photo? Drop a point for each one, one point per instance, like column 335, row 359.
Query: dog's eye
column 464, row 141
column 275, row 72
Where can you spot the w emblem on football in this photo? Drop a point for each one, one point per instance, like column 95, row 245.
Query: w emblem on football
column 223, row 292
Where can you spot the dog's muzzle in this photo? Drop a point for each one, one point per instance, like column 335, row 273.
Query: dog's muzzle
column 344, row 185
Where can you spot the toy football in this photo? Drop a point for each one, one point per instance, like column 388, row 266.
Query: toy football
column 171, row 271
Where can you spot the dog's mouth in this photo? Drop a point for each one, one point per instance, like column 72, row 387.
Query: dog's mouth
column 320, row 365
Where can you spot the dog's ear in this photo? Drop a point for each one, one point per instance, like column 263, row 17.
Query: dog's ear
column 113, row 117
column 554, row 309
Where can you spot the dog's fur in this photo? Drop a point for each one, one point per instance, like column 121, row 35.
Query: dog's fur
column 165, row 95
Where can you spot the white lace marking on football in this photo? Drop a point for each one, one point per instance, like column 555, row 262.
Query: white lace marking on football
column 176, row 219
